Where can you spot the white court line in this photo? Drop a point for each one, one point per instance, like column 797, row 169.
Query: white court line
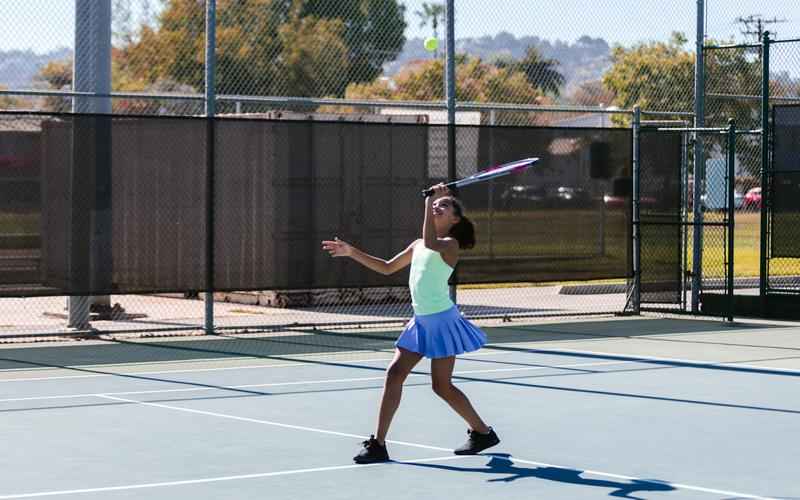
column 688, row 363
column 222, row 478
column 301, row 382
column 344, row 434
column 299, row 363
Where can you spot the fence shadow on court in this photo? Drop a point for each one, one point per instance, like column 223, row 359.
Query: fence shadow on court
column 288, row 343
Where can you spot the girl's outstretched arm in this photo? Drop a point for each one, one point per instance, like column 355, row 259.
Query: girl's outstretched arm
column 339, row 248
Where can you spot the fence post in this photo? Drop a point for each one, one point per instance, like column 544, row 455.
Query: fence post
column 731, row 171
column 699, row 174
column 684, row 214
column 763, row 278
column 450, row 95
column 210, row 101
column 90, row 176
column 637, row 230
column 490, row 223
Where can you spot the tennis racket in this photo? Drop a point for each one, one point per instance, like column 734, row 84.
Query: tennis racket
column 490, row 173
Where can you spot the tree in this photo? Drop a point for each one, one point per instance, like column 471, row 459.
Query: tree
column 8, row 102
column 476, row 81
column 271, row 47
column 123, row 24
column 314, row 55
column 541, row 72
column 431, row 13
column 58, row 76
column 730, row 72
column 660, row 76
column 592, row 93
column 654, row 75
column 374, row 32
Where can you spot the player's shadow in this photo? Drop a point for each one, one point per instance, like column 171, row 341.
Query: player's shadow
column 501, row 464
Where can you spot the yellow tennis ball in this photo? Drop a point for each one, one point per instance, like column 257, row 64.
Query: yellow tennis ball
column 431, row 44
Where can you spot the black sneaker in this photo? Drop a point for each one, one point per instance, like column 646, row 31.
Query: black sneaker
column 477, row 442
column 372, row 452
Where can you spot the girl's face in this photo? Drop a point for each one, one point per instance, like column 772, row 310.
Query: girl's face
column 444, row 211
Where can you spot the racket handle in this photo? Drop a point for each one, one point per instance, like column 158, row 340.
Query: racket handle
column 452, row 186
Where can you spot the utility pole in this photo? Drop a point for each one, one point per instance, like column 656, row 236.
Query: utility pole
column 755, row 25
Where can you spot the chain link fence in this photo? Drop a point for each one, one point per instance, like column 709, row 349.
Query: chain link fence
column 734, row 88
column 733, row 77
column 331, row 56
column 367, row 60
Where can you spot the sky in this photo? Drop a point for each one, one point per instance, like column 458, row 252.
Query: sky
column 43, row 25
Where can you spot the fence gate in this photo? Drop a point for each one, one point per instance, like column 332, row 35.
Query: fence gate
column 781, row 200
column 673, row 234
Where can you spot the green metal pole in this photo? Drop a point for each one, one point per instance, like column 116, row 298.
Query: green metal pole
column 699, row 161
column 731, row 177
column 763, row 278
column 210, row 101
column 450, row 95
column 637, row 230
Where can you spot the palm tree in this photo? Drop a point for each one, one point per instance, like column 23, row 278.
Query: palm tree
column 431, row 12
column 542, row 73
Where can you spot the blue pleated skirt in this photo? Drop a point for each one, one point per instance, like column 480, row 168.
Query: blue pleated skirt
column 441, row 335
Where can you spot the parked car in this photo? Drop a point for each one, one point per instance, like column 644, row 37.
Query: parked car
column 612, row 201
column 572, row 195
column 522, row 196
column 752, row 198
column 738, row 202
column 738, row 199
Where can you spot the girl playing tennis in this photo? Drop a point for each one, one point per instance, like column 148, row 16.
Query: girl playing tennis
column 437, row 330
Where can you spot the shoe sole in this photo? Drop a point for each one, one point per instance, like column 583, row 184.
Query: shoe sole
column 475, row 452
column 364, row 462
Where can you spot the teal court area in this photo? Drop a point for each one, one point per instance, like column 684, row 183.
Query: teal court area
column 607, row 407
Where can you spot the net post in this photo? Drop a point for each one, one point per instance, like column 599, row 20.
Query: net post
column 731, row 177
column 210, row 103
column 636, row 295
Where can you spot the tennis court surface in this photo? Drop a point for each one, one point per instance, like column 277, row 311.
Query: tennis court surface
column 593, row 408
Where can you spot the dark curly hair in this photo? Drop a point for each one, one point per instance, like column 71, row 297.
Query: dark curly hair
column 463, row 230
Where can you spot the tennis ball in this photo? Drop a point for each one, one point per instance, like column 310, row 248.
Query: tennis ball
column 431, row 44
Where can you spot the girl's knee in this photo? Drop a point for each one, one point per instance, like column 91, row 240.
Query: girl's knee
column 442, row 389
column 395, row 375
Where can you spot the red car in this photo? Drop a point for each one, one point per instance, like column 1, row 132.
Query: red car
column 752, row 198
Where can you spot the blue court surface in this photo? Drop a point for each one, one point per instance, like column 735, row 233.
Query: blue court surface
column 619, row 408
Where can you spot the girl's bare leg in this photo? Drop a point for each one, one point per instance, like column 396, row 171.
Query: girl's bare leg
column 441, row 376
column 404, row 361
